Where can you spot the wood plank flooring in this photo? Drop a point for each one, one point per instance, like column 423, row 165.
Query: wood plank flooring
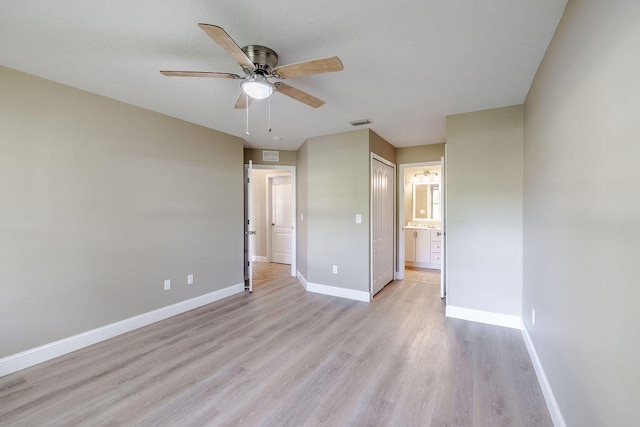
column 285, row 357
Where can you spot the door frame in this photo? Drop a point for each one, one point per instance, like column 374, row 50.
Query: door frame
column 269, row 208
column 395, row 237
column 292, row 170
column 401, row 224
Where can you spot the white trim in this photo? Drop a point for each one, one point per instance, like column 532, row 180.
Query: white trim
column 424, row 265
column 547, row 392
column 258, row 258
column 302, row 280
column 334, row 291
column 480, row 316
column 31, row 357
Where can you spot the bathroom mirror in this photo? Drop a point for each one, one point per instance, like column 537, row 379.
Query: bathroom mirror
column 426, row 201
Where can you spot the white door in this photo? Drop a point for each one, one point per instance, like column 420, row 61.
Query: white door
column 249, row 232
column 281, row 221
column 443, row 218
column 382, row 224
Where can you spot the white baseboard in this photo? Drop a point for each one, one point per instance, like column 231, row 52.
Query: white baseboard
column 25, row 359
column 258, row 258
column 302, row 280
column 423, row 265
column 550, row 399
column 334, row 291
column 488, row 317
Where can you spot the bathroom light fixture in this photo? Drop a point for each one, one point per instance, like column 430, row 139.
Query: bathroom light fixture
column 257, row 86
column 426, row 176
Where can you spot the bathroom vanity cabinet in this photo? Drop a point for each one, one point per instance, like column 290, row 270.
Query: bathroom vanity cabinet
column 422, row 247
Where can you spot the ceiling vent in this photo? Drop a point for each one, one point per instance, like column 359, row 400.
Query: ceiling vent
column 270, row 156
column 360, row 122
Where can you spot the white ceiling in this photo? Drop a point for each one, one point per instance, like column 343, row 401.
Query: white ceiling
column 407, row 63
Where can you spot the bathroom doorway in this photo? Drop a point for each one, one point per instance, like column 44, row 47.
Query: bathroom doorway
column 422, row 222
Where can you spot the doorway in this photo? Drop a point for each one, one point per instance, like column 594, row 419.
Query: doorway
column 271, row 215
column 422, row 222
column 279, row 218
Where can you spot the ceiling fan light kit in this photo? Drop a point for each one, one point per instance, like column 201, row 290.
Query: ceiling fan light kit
column 257, row 87
column 259, row 63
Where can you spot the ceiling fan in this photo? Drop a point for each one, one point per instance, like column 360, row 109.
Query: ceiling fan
column 259, row 63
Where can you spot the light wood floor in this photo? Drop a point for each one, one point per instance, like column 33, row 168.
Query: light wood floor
column 282, row 356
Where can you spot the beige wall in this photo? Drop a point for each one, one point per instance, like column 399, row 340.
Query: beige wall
column 287, row 158
column 484, row 210
column 333, row 186
column 338, row 189
column 582, row 213
column 101, row 202
column 381, row 147
column 420, row 153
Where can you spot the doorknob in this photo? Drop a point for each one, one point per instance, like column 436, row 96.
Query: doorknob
column 272, row 224
column 250, row 233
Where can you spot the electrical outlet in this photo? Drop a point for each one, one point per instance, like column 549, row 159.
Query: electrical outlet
column 358, row 219
column 167, row 284
column 533, row 316
column 335, row 269
column 190, row 279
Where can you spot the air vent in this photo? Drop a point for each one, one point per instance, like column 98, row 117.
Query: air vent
column 270, row 156
column 360, row 122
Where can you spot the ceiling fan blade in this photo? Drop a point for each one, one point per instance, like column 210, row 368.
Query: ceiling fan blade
column 314, row 66
column 298, row 95
column 243, row 101
column 225, row 41
column 199, row 74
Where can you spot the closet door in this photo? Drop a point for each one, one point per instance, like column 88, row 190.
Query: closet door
column 382, row 224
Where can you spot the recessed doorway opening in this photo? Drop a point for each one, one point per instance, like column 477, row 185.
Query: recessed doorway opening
column 270, row 246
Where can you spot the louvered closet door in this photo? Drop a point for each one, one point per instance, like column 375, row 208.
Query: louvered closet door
column 382, row 207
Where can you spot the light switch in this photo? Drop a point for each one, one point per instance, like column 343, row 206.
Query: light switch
column 358, row 219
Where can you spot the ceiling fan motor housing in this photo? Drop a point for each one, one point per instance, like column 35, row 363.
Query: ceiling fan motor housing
column 265, row 59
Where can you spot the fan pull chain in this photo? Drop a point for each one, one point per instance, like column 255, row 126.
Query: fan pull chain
column 247, row 131
column 269, row 114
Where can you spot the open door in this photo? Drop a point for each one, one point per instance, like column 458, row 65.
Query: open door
column 443, row 219
column 249, row 232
